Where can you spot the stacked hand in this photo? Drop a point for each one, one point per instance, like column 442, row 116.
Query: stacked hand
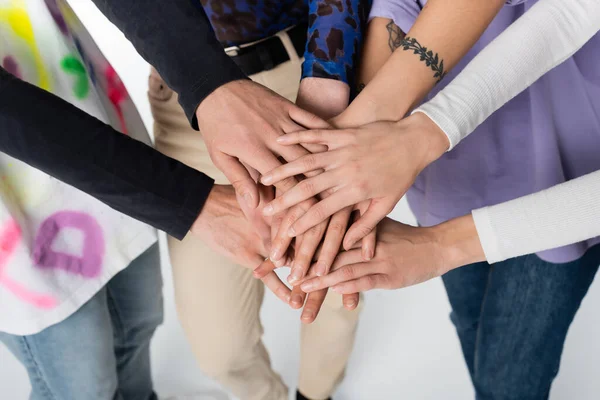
column 329, row 174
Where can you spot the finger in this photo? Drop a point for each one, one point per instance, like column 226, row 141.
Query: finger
column 333, row 241
column 377, row 211
column 322, row 210
column 264, row 269
column 316, row 136
column 264, row 161
column 347, row 257
column 350, row 301
column 291, row 126
column 305, row 252
column 344, row 274
column 245, row 187
column 307, row 119
column 313, row 306
column 301, row 166
column 297, row 298
column 369, row 243
column 282, row 240
column 363, row 284
column 255, row 216
column 304, row 190
column 278, row 288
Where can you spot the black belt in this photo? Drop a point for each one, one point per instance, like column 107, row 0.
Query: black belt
column 269, row 53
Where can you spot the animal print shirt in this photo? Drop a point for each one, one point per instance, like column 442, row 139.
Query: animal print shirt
column 334, row 37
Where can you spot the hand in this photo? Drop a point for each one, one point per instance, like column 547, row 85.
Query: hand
column 224, row 228
column 376, row 162
column 240, row 122
column 405, row 256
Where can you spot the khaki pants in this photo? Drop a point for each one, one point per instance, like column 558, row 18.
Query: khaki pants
column 219, row 302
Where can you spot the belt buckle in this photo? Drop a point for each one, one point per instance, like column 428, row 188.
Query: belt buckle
column 233, row 51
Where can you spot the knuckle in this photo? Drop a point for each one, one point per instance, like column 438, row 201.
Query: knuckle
column 348, row 273
column 371, row 281
column 337, row 228
column 319, row 212
column 307, row 187
column 309, row 162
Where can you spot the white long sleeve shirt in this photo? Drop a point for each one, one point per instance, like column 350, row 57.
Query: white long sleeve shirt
column 549, row 33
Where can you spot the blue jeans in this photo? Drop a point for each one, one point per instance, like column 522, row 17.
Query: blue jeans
column 512, row 319
column 102, row 351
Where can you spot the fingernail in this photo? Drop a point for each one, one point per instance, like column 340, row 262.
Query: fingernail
column 281, row 138
column 268, row 210
column 266, row 179
column 248, row 199
column 308, row 315
column 350, row 304
column 297, row 300
column 295, row 276
column 320, row 268
column 275, row 254
column 291, row 232
column 336, row 289
column 369, row 254
column 307, row 286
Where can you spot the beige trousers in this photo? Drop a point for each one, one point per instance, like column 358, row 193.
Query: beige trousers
column 219, row 302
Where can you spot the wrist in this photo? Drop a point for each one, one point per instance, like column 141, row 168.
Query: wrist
column 220, row 96
column 216, row 200
column 458, row 243
column 323, row 97
column 435, row 140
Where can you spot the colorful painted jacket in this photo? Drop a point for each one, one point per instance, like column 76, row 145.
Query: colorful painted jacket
column 59, row 246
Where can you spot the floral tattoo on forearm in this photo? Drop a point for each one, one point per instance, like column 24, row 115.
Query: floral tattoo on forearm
column 396, row 36
column 431, row 60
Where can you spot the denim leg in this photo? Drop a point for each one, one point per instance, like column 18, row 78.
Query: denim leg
column 466, row 288
column 135, row 303
column 528, row 308
column 72, row 360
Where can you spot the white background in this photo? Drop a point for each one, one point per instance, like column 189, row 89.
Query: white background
column 406, row 346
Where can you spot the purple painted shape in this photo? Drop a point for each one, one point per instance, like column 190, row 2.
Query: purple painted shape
column 89, row 264
column 11, row 65
column 57, row 16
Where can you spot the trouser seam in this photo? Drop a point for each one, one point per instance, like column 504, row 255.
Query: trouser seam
column 39, row 375
column 478, row 333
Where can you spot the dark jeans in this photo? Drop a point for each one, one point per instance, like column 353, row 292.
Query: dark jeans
column 512, row 319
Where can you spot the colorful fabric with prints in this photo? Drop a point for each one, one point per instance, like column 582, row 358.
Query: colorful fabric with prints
column 59, row 246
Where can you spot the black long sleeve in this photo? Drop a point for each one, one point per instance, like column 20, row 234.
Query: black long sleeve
column 54, row 136
column 176, row 37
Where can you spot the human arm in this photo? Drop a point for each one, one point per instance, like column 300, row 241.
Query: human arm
column 557, row 18
column 561, row 215
column 549, row 33
column 440, row 24
column 56, row 137
column 59, row 139
column 238, row 118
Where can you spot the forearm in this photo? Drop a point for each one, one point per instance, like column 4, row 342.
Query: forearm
column 59, row 139
column 447, row 30
column 323, row 97
column 564, row 214
column 559, row 216
column 335, row 36
column 550, row 32
column 177, row 39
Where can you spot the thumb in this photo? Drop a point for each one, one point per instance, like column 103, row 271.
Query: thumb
column 307, row 119
column 367, row 222
column 245, row 187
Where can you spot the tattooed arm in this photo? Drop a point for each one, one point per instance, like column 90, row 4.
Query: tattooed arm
column 413, row 64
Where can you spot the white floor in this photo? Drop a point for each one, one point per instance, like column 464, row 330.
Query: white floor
column 406, row 346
